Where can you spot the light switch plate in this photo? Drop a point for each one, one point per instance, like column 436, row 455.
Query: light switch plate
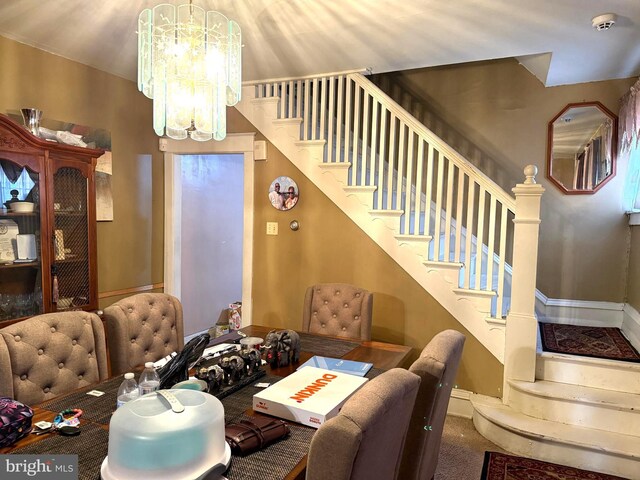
column 272, row 228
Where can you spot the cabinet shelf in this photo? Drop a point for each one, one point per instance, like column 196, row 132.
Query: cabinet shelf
column 34, row 264
column 4, row 213
column 71, row 260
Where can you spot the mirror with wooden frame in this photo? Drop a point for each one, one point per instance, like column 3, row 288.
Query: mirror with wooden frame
column 581, row 148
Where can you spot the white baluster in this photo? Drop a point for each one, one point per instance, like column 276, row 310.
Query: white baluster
column 401, row 160
column 307, row 110
column 291, row 97
column 437, row 220
column 314, row 109
column 323, row 109
column 419, row 181
column 365, row 136
column 491, row 243
column 381, row 155
column 330, row 119
column 469, row 232
column 459, row 209
column 339, row 120
column 347, row 122
column 392, row 160
column 502, row 260
column 409, row 183
column 374, row 141
column 355, row 159
column 480, row 237
column 448, row 211
column 429, row 191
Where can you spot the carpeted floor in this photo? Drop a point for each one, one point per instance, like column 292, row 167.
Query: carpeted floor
column 499, row 466
column 598, row 342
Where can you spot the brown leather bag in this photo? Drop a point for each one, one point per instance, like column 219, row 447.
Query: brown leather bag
column 250, row 436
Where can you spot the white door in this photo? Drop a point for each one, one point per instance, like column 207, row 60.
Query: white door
column 211, row 246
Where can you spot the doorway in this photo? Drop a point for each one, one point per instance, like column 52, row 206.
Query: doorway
column 209, row 227
column 212, row 231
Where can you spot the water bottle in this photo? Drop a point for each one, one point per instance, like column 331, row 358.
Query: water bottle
column 128, row 390
column 149, row 379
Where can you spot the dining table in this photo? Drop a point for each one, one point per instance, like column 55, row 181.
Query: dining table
column 285, row 459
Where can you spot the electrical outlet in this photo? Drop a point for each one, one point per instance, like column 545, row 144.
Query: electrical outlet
column 272, row 228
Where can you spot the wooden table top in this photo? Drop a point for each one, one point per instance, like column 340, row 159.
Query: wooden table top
column 383, row 356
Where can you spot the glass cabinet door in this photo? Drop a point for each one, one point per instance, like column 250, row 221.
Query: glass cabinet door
column 70, row 271
column 20, row 254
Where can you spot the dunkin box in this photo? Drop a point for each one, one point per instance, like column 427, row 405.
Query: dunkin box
column 309, row 396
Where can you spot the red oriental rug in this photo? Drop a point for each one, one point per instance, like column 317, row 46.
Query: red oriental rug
column 498, row 466
column 598, row 342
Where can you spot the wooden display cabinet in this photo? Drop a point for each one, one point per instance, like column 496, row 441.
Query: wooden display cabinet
column 61, row 179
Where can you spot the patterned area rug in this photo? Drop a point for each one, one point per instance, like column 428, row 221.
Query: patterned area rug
column 498, row 466
column 598, row 342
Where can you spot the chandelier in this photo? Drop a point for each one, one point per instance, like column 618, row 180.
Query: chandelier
column 189, row 63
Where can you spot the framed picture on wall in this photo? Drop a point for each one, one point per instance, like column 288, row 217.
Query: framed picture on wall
column 283, row 193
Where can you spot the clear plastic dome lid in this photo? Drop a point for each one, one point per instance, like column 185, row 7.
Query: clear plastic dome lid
column 172, row 438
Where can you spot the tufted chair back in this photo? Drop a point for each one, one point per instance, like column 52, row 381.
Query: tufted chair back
column 338, row 309
column 365, row 440
column 437, row 367
column 51, row 354
column 143, row 328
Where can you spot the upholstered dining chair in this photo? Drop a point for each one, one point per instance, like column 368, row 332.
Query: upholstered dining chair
column 338, row 309
column 437, row 367
column 143, row 328
column 365, row 440
column 51, row 354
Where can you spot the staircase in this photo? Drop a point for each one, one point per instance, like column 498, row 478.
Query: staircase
column 447, row 224
column 470, row 244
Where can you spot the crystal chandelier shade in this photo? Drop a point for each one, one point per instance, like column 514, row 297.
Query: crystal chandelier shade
column 189, row 63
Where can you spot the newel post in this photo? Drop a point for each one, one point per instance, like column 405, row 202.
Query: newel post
column 522, row 325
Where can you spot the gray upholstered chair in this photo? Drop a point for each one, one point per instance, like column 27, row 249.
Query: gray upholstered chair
column 338, row 309
column 143, row 328
column 437, row 367
column 51, row 354
column 365, row 440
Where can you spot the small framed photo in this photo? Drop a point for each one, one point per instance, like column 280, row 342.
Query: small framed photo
column 283, row 193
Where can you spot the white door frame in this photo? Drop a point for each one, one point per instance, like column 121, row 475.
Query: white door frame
column 234, row 143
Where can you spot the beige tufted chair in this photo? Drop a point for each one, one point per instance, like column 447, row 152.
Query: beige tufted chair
column 51, row 354
column 365, row 440
column 338, row 309
column 437, row 367
column 143, row 328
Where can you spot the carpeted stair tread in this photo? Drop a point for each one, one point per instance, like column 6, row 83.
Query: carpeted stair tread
column 578, row 393
column 599, row 342
column 588, row 438
column 500, row 466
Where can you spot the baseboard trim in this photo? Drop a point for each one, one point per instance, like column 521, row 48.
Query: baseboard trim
column 460, row 404
column 579, row 312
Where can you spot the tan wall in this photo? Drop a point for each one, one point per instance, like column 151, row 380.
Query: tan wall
column 633, row 285
column 503, row 110
column 329, row 247
column 130, row 249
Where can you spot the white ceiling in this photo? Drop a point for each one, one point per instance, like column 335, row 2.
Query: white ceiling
column 284, row 38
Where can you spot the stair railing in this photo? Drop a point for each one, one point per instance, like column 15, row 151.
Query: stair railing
column 434, row 190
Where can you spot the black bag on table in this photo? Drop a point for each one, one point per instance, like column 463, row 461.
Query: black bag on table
column 15, row 421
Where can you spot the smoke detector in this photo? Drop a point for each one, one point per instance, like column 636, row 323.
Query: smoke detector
column 604, row 21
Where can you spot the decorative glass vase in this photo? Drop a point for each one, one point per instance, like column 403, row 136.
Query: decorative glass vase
column 32, row 118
